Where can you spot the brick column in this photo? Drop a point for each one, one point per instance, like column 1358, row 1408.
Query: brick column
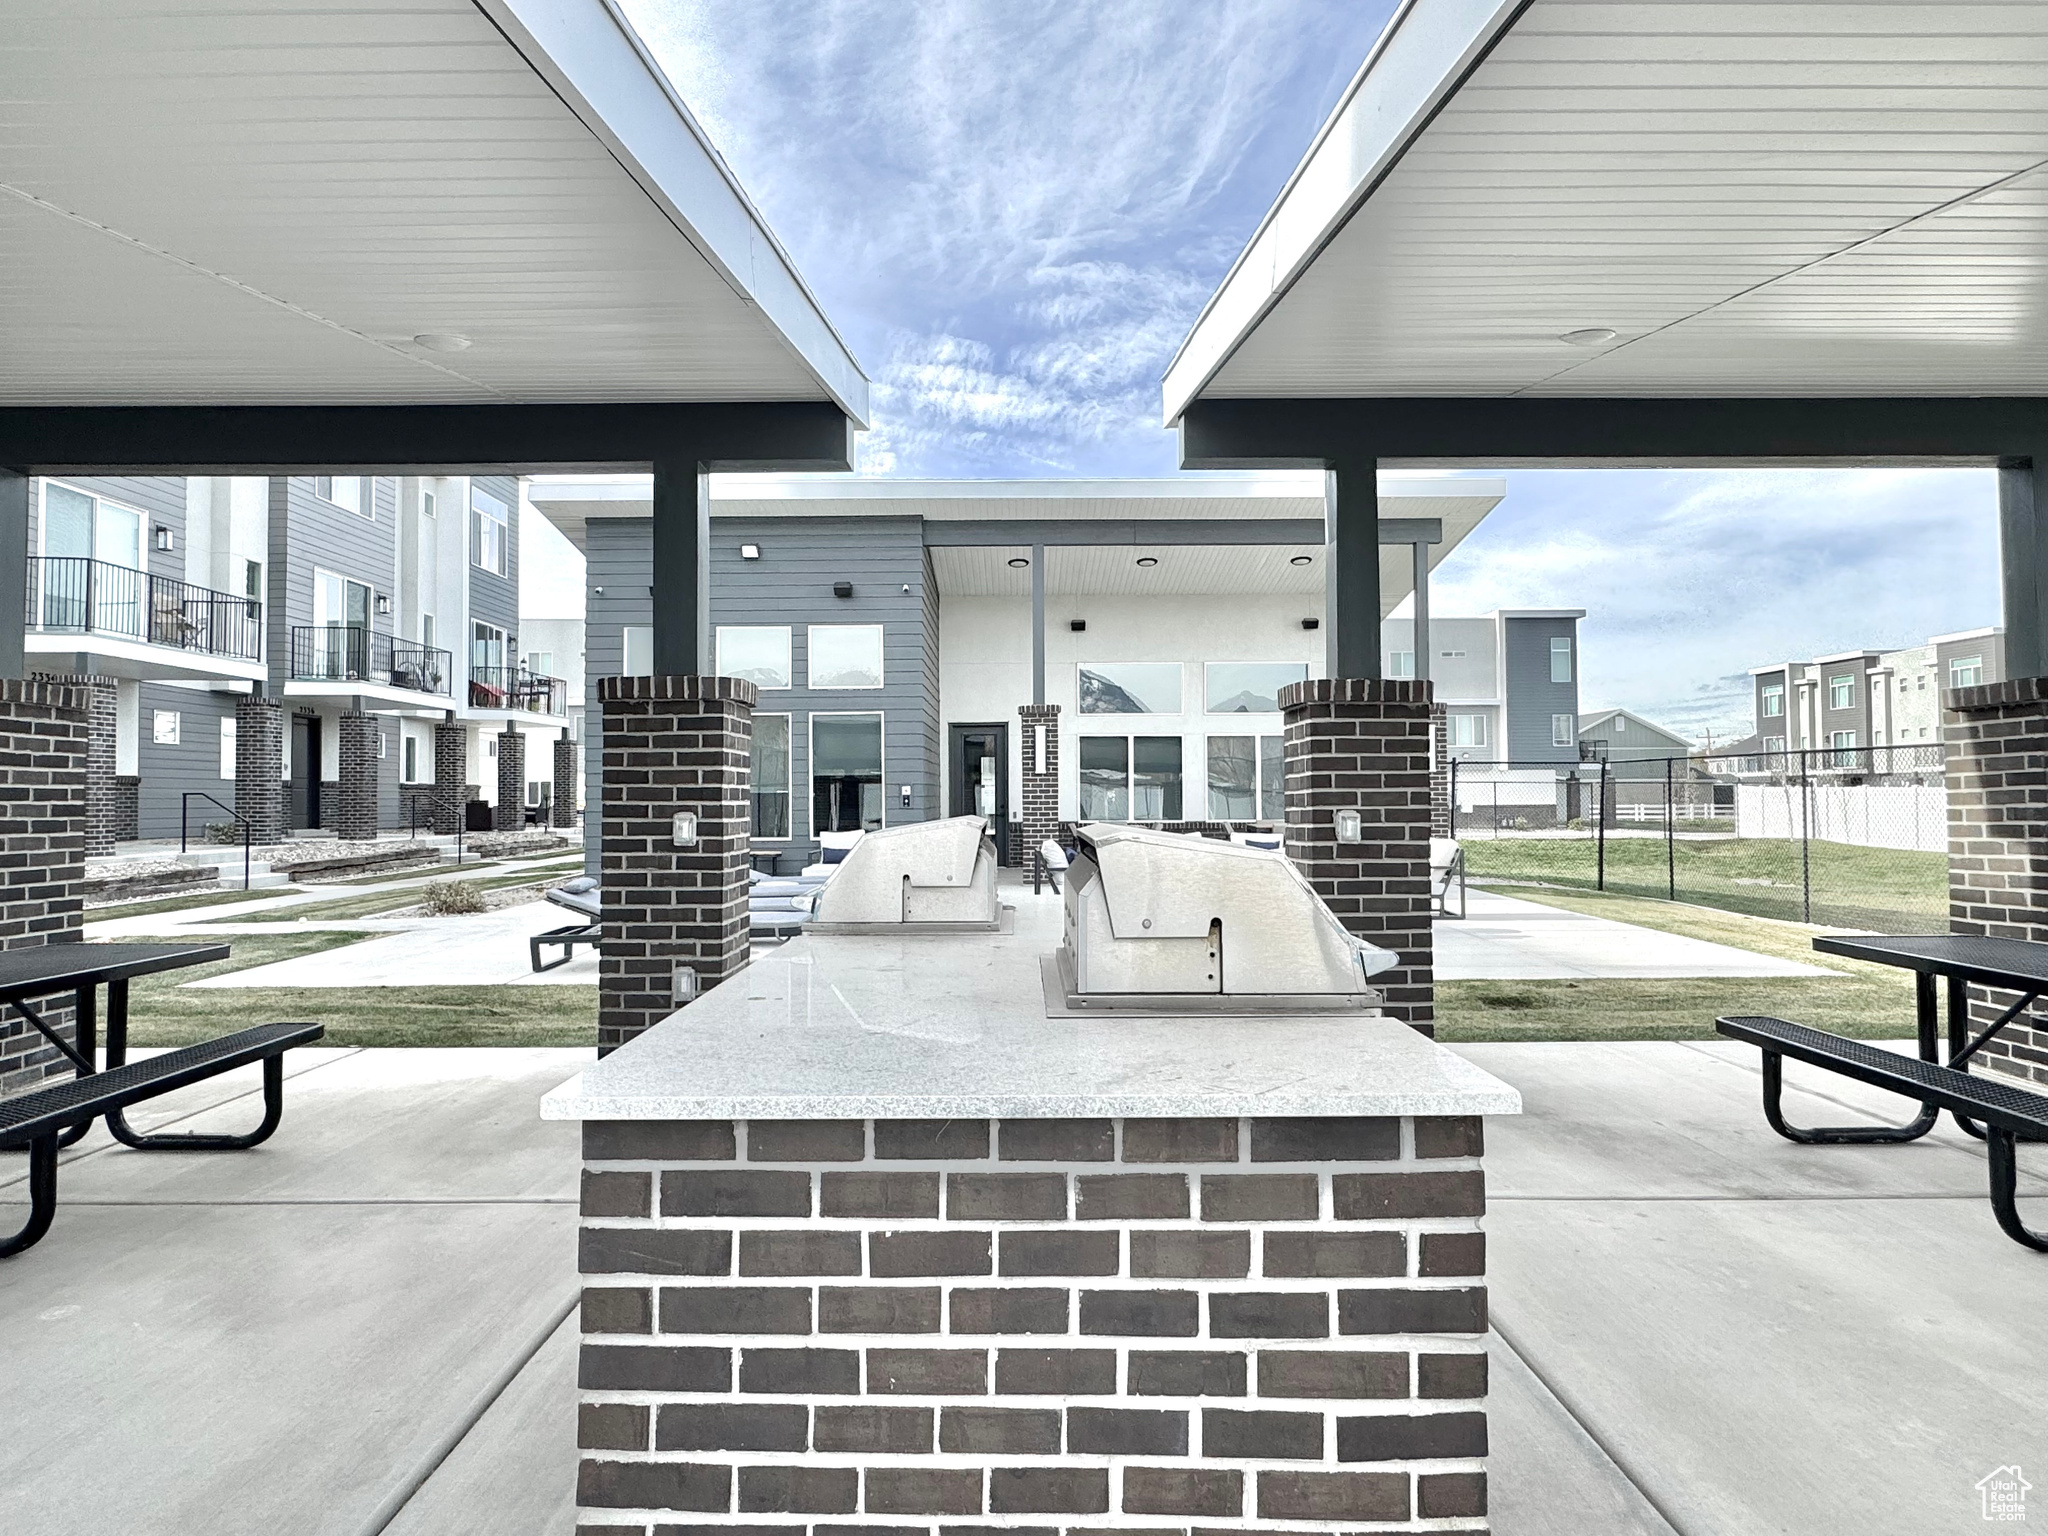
column 355, row 792
column 259, row 766
column 511, row 808
column 890, row 1324
column 1364, row 744
column 1039, row 793
column 1439, row 772
column 102, row 795
column 671, row 744
column 1997, row 740
column 45, row 763
column 451, row 776
column 565, row 781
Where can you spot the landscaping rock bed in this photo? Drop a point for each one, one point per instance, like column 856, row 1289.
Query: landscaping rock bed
column 339, row 860
column 158, row 877
column 504, row 845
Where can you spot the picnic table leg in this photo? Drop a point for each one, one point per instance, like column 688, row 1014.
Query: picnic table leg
column 185, row 1141
column 2004, row 1168
column 85, row 1034
column 42, row 1195
column 1835, row 1135
column 1958, row 1037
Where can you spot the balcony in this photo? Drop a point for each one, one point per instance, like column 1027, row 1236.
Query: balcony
column 346, row 653
column 72, row 595
column 517, row 688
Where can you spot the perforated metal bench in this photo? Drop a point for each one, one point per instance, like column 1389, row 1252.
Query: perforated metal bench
column 2004, row 1111
column 37, row 1119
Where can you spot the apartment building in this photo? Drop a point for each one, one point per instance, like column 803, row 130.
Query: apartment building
column 1870, row 698
column 380, row 613
column 1508, row 681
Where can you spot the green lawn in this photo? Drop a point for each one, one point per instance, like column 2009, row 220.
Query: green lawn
column 1867, row 1001
column 377, row 903
column 1870, row 888
column 164, row 1012
column 154, row 907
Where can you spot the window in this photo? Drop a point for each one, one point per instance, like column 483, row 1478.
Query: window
column 1842, row 692
column 1774, row 743
column 760, row 654
column 1252, row 687
column 409, row 760
column 426, row 503
column 383, row 745
column 1560, row 659
column 1619, row 727
column 845, row 655
column 167, row 727
column 769, row 768
column 637, row 645
column 77, row 528
column 252, row 587
column 1131, row 778
column 846, row 773
column 427, row 630
column 1774, row 700
column 1468, row 730
column 1247, row 778
column 1843, row 744
column 1966, row 671
column 1400, row 663
column 541, row 663
column 342, row 490
column 1130, row 688
column 1560, row 730
column 338, row 646
column 490, row 522
column 227, row 746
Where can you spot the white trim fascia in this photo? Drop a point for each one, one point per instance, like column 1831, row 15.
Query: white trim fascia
column 1417, row 64
column 157, row 663
column 590, row 56
column 1986, row 633
column 402, row 700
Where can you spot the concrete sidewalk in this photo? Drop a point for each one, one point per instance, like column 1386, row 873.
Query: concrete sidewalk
column 1505, row 939
column 481, row 949
column 367, row 1325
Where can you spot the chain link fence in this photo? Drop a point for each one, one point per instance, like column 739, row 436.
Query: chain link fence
column 1842, row 837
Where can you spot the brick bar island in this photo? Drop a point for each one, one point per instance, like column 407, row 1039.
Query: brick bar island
column 872, row 1245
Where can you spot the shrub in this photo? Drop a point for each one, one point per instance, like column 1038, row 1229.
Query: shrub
column 451, row 898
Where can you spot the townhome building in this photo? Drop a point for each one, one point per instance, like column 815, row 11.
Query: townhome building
column 303, row 652
column 1870, row 698
column 1508, row 681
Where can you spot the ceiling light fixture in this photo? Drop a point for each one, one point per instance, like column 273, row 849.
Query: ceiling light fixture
column 1591, row 336
column 441, row 341
column 1302, row 560
column 1018, row 563
column 1148, row 560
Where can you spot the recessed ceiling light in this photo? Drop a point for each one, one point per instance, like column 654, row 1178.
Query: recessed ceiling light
column 441, row 341
column 1592, row 336
column 1148, row 560
column 1019, row 563
column 1303, row 560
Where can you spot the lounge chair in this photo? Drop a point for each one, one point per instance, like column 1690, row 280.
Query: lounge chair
column 1446, row 868
column 833, row 847
column 581, row 897
column 1052, row 858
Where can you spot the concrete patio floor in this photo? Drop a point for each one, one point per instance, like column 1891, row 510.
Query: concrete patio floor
column 367, row 1325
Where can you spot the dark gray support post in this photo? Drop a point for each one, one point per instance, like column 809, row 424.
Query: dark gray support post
column 1038, row 624
column 2023, row 562
column 1352, row 533
column 14, row 487
column 682, row 566
column 1422, row 646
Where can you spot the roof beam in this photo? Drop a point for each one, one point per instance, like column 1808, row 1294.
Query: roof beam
column 1079, row 532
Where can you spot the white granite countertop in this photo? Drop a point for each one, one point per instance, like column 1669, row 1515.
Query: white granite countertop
column 954, row 1025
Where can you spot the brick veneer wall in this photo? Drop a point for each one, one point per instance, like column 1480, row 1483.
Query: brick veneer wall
column 1039, row 792
column 451, row 777
column 564, row 810
column 355, row 808
column 510, row 811
column 127, row 807
column 259, row 766
column 45, row 756
column 1439, row 771
column 901, row 1325
column 1997, row 740
column 1364, row 744
column 670, row 744
column 102, row 795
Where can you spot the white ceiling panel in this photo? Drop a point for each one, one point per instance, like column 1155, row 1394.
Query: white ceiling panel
column 264, row 202
column 1758, row 199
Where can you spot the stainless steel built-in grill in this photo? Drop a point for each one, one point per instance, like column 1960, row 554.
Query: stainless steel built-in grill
column 1158, row 915
column 933, row 874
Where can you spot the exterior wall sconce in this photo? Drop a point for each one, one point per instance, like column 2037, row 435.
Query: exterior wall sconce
column 683, row 986
column 165, row 539
column 1311, row 623
column 750, row 551
column 1077, row 625
column 1350, row 826
column 842, row 589
column 383, row 603
column 684, row 829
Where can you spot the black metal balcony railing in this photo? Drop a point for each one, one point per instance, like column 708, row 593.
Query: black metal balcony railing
column 347, row 653
column 517, row 688
column 69, row 594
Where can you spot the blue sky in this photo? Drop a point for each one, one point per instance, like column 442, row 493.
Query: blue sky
column 1013, row 213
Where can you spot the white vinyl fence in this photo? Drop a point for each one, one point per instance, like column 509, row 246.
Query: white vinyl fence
column 1911, row 817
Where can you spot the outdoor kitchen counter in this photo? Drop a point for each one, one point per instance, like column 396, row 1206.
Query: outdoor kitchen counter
column 870, row 1244
column 947, row 1025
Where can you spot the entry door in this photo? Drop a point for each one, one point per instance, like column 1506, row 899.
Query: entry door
column 305, row 794
column 981, row 780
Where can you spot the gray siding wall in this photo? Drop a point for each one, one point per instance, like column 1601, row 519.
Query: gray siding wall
column 1532, row 698
column 1857, row 716
column 1779, row 724
column 308, row 532
column 494, row 599
column 168, row 771
column 160, row 498
column 801, row 558
column 1990, row 647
